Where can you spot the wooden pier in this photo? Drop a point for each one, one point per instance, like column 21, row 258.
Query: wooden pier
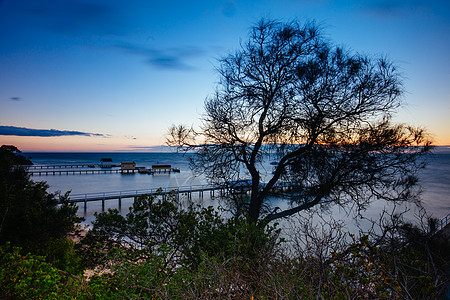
column 119, row 195
column 70, row 166
column 443, row 227
column 74, row 172
column 224, row 188
column 83, row 169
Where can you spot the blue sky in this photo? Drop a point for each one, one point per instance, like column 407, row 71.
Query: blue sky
column 106, row 75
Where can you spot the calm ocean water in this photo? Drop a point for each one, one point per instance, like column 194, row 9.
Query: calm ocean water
column 435, row 178
column 113, row 182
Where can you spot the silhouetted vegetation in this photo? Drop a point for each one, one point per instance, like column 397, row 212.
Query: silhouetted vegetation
column 321, row 112
column 10, row 155
column 161, row 250
column 164, row 249
column 30, row 217
column 155, row 226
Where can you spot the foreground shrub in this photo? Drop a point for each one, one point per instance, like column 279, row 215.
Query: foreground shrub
column 360, row 270
column 30, row 277
column 161, row 250
column 32, row 218
column 156, row 226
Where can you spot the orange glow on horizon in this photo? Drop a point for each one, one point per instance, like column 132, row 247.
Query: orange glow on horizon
column 70, row 144
column 102, row 144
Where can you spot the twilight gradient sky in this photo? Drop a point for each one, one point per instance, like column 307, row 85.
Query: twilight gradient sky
column 109, row 75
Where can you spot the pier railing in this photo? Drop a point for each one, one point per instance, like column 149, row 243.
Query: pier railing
column 85, row 197
column 443, row 222
column 239, row 187
column 82, row 169
column 60, row 166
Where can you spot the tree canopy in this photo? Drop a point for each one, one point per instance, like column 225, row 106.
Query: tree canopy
column 323, row 111
column 11, row 155
column 30, row 217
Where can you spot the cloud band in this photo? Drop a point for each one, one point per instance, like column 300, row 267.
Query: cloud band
column 23, row 131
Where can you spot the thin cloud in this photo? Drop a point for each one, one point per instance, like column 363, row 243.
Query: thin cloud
column 229, row 9
column 81, row 19
column 77, row 18
column 174, row 58
column 160, row 148
column 393, row 8
column 15, row 98
column 23, row 131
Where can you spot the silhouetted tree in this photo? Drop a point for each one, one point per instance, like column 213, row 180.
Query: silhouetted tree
column 30, row 217
column 323, row 111
column 11, row 153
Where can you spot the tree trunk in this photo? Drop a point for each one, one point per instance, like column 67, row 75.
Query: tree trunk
column 255, row 202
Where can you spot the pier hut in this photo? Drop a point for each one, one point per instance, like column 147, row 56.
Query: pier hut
column 161, row 168
column 128, row 167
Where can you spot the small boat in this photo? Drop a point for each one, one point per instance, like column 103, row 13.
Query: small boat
column 142, row 170
column 106, row 163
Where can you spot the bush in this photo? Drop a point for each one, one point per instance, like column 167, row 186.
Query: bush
column 154, row 225
column 30, row 277
column 33, row 219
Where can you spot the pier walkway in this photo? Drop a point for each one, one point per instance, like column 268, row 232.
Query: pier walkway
column 85, row 169
column 119, row 195
column 444, row 227
column 444, row 222
column 235, row 187
column 65, row 166
column 74, row 172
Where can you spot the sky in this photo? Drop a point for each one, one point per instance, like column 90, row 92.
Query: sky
column 109, row 75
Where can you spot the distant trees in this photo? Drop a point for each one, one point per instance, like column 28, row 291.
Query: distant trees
column 323, row 112
column 11, row 154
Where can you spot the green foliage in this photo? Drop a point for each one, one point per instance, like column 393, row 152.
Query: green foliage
column 360, row 271
column 419, row 258
column 207, row 257
column 194, row 253
column 32, row 218
column 61, row 254
column 30, row 277
column 129, row 280
column 154, row 225
column 162, row 250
